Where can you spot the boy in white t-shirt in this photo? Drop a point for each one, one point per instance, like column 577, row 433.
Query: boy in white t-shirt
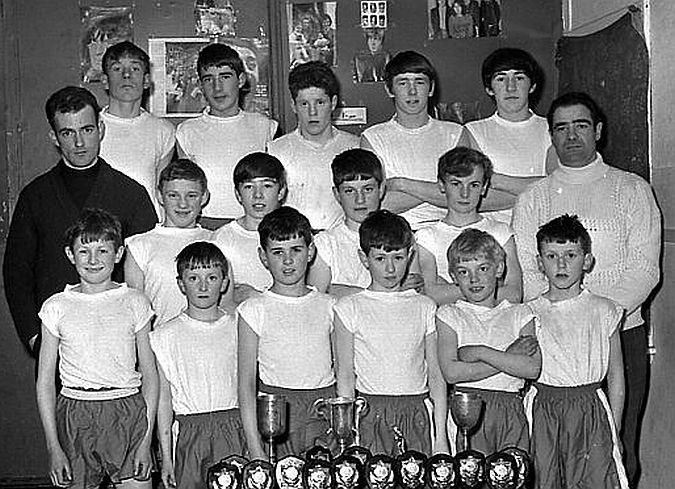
column 97, row 330
column 223, row 133
column 150, row 262
column 486, row 345
column 285, row 334
column 197, row 362
column 260, row 187
column 574, row 425
column 386, row 346
column 463, row 177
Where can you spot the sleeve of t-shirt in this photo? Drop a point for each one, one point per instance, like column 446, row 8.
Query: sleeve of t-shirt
column 429, row 312
column 345, row 310
column 451, row 317
column 51, row 313
column 136, row 247
column 324, row 248
column 251, row 311
column 142, row 310
column 613, row 316
column 168, row 139
column 523, row 316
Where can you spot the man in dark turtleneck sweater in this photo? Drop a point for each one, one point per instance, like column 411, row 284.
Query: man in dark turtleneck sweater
column 35, row 265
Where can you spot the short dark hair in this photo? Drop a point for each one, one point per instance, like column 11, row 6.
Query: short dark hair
column 94, row 224
column 575, row 98
column 504, row 59
column 564, row 229
column 356, row 164
column 218, row 55
column 125, row 49
column 385, row 230
column 472, row 243
column 315, row 74
column 259, row 165
column 408, row 62
column 283, row 224
column 201, row 254
column 460, row 161
column 70, row 99
column 182, row 169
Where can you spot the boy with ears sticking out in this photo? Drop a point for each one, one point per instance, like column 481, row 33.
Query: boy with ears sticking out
column 285, row 334
column 197, row 362
column 463, row 177
column 260, row 187
column 486, row 345
column 100, row 424
column 386, row 345
column 574, row 426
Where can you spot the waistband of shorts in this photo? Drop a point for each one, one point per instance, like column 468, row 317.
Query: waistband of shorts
column 273, row 389
column 388, row 397
column 488, row 394
column 222, row 413
column 98, row 394
column 567, row 391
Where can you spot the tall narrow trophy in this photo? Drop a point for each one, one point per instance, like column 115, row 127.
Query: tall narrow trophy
column 466, row 408
column 271, row 419
column 343, row 415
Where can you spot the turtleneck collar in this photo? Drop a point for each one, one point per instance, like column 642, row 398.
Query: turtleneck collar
column 577, row 176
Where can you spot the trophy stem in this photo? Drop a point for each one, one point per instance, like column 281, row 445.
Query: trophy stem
column 272, row 455
column 465, row 434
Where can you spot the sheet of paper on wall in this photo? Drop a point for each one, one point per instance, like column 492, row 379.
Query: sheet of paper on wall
column 311, row 28
column 217, row 18
column 374, row 14
column 100, row 28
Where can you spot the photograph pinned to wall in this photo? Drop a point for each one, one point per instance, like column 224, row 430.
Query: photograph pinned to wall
column 374, row 14
column 462, row 19
column 100, row 28
column 369, row 63
column 177, row 89
column 215, row 18
column 311, row 28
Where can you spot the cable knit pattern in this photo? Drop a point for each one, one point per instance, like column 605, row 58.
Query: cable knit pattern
column 620, row 213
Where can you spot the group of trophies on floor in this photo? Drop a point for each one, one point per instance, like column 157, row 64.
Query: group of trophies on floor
column 357, row 468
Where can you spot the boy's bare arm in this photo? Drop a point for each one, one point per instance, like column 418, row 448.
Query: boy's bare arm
column 164, row 433
column 512, row 287
column 616, row 387
column 133, row 275
column 150, row 390
column 521, row 359
column 435, row 286
column 454, row 370
column 510, row 184
column 60, row 472
column 247, row 390
column 344, row 342
column 438, row 391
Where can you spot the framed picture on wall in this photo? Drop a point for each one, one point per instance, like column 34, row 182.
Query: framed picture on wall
column 177, row 91
column 464, row 19
column 311, row 32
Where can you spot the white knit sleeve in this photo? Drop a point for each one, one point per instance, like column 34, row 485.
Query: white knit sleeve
column 525, row 222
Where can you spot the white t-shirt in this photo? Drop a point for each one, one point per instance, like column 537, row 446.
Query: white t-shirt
column 414, row 153
column 240, row 246
column 137, row 146
column 574, row 338
column 217, row 144
column 390, row 330
column 199, row 359
column 155, row 253
column 309, row 176
column 294, row 338
column 495, row 327
column 339, row 248
column 438, row 237
column 97, row 340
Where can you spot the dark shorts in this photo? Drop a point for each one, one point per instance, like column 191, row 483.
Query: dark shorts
column 573, row 440
column 100, row 438
column 410, row 415
column 502, row 425
column 305, row 428
column 203, row 440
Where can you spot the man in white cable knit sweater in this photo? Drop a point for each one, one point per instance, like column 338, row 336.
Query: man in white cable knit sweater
column 619, row 210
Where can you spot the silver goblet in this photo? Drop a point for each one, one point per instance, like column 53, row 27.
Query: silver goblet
column 343, row 415
column 466, row 408
column 271, row 419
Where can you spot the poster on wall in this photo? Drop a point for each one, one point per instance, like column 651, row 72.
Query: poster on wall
column 374, row 14
column 215, row 18
column 370, row 61
column 463, row 19
column 177, row 90
column 311, row 28
column 101, row 27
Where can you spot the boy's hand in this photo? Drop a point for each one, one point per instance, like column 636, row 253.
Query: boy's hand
column 524, row 345
column 59, row 469
column 168, row 474
column 243, row 292
column 142, row 462
column 413, row 281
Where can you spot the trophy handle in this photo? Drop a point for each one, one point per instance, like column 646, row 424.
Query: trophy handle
column 360, row 410
column 319, row 407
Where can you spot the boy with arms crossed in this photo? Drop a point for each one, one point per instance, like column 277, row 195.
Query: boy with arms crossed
column 223, row 134
column 260, row 188
column 463, row 177
column 386, row 345
column 136, row 143
column 101, row 422
column 574, row 426
column 197, row 362
column 149, row 264
column 307, row 152
column 486, row 345
column 286, row 334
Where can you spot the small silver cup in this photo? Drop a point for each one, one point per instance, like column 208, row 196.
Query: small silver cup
column 466, row 408
column 271, row 419
column 343, row 415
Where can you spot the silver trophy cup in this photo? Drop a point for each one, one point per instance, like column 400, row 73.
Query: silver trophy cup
column 343, row 415
column 271, row 419
column 466, row 408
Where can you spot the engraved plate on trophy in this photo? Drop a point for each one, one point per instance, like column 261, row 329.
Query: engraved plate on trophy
column 348, row 472
column 501, row 471
column 288, row 472
column 470, row 469
column 257, row 474
column 440, row 471
column 410, row 469
column 380, row 472
column 317, row 474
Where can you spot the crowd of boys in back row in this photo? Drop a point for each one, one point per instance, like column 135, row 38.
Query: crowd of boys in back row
column 380, row 341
